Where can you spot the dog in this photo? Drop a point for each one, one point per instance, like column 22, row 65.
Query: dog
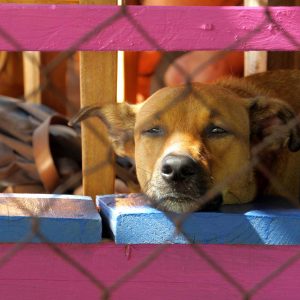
column 200, row 145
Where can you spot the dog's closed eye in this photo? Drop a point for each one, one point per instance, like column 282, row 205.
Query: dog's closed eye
column 215, row 131
column 153, row 131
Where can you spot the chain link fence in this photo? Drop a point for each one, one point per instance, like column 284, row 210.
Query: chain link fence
column 46, row 70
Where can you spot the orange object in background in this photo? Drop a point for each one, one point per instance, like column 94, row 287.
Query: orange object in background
column 140, row 66
column 146, row 66
column 53, row 83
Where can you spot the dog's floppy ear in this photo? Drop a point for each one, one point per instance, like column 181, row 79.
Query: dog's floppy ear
column 119, row 119
column 270, row 116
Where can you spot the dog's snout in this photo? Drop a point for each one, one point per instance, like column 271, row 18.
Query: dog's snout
column 178, row 167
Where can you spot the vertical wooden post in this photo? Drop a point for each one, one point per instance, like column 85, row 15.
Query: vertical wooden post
column 255, row 61
column 31, row 73
column 98, row 84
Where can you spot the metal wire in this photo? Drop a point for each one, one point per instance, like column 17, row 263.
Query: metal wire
column 107, row 290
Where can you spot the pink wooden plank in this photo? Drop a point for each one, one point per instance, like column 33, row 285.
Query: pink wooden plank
column 36, row 272
column 59, row 27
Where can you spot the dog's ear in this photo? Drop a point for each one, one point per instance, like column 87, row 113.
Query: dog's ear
column 270, row 116
column 119, row 119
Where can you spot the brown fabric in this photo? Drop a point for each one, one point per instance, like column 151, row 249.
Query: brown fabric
column 42, row 153
column 31, row 141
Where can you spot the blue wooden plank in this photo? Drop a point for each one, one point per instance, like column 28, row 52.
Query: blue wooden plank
column 61, row 218
column 133, row 221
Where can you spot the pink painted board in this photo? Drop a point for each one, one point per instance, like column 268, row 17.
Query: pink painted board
column 36, row 272
column 61, row 27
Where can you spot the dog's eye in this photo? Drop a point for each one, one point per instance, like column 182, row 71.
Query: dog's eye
column 215, row 131
column 154, row 131
column 218, row 130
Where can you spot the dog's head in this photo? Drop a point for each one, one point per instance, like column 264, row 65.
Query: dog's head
column 190, row 146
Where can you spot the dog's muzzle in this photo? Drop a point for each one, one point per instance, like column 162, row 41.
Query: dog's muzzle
column 180, row 185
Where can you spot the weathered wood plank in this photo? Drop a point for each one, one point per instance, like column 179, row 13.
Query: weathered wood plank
column 60, row 218
column 59, row 27
column 176, row 272
column 133, row 221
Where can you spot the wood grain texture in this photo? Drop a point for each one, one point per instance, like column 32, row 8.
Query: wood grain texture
column 178, row 272
column 59, row 27
column 32, row 80
column 255, row 62
column 132, row 220
column 98, row 85
column 61, row 218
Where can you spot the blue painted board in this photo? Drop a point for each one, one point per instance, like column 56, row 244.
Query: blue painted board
column 133, row 221
column 61, row 218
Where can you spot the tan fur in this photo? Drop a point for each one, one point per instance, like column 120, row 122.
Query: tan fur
column 256, row 112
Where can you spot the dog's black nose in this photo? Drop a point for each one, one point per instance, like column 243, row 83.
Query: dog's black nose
column 178, row 167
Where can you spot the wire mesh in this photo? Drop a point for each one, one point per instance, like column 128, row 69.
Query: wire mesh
column 188, row 91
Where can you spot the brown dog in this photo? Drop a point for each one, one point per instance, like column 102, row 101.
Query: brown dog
column 236, row 138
